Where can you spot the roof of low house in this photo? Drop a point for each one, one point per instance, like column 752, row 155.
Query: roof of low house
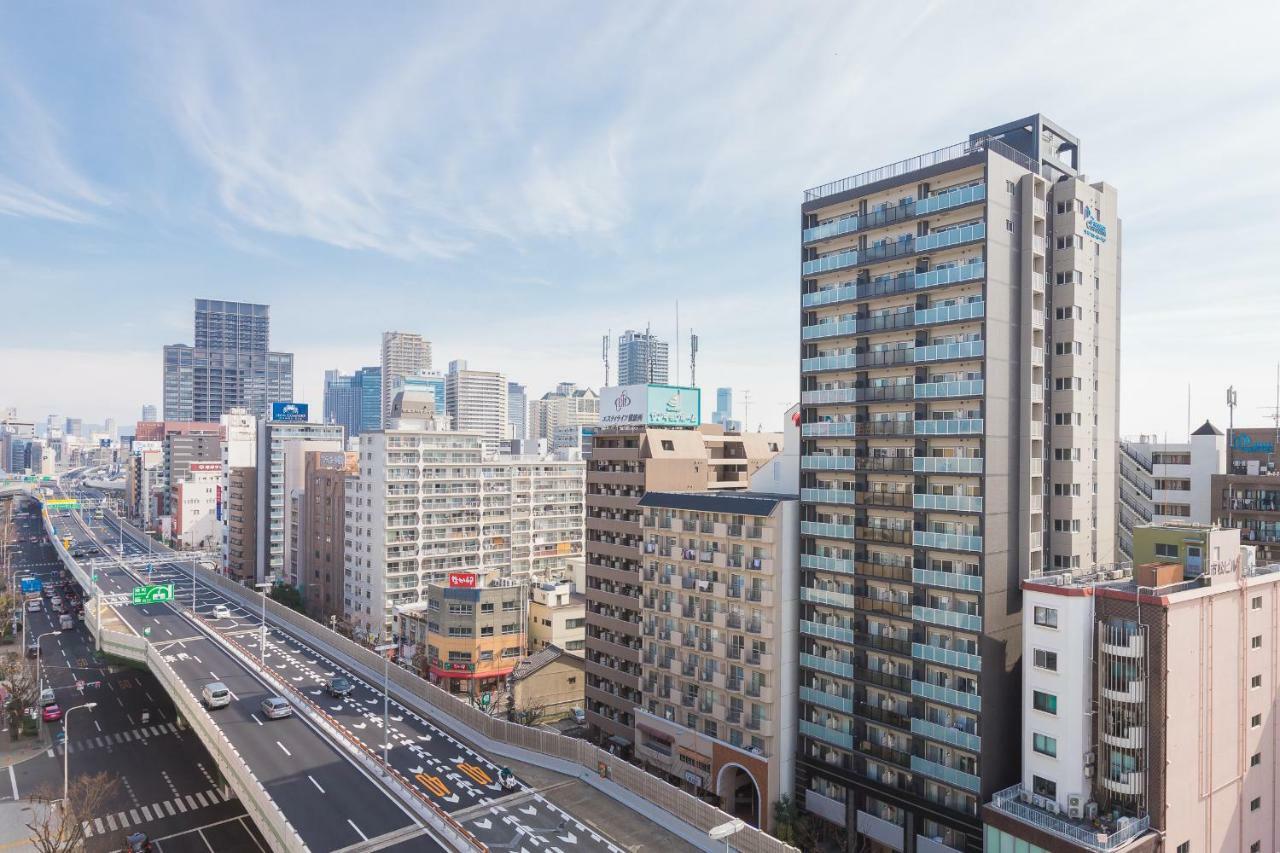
column 539, row 659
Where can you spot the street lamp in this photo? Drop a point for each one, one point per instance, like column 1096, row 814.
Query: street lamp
column 66, row 744
column 39, row 661
column 386, row 693
column 262, row 648
column 724, row 830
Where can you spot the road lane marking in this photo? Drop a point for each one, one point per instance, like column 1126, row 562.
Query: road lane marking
column 255, row 718
column 286, row 752
column 363, row 837
column 312, row 778
column 98, row 727
column 13, row 780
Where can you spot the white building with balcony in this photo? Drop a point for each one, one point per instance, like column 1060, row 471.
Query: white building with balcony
column 1167, row 481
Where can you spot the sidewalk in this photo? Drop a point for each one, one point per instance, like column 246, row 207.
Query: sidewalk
column 14, row 835
column 17, row 751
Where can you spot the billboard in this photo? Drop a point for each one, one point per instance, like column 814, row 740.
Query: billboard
column 289, row 412
column 146, row 446
column 462, row 580
column 651, row 405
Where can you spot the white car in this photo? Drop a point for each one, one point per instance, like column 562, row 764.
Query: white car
column 275, row 707
column 221, row 611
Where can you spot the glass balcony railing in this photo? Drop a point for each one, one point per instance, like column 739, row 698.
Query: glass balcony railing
column 832, row 736
column 947, row 541
column 950, row 580
column 947, row 465
column 950, row 313
column 946, row 657
column 822, row 528
column 828, row 463
column 960, row 349
column 950, row 275
column 826, row 700
column 949, row 618
column 829, row 632
column 883, row 285
column 827, row 665
column 899, row 391
column 948, row 503
column 950, row 775
column 947, row 695
column 877, row 358
column 1017, row 803
column 828, row 496
column 828, row 597
column 946, row 734
column 951, row 198
column 829, row 329
column 834, row 228
column 827, row 564
column 951, row 237
column 954, row 426
column 834, row 261
column 830, row 428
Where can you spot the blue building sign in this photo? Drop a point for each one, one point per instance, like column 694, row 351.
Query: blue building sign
column 1245, row 443
column 673, row 406
column 292, row 412
column 1093, row 227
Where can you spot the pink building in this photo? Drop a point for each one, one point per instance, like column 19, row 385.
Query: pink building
column 1148, row 709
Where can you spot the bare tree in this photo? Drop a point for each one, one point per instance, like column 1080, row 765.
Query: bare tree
column 19, row 678
column 530, row 713
column 57, row 826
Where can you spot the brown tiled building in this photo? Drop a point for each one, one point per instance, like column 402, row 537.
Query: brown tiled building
column 1248, row 495
column 321, row 522
column 242, row 514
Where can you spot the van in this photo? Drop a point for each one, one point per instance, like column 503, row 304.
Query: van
column 215, row 695
column 66, row 622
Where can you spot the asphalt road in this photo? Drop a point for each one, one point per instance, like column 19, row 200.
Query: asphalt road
column 330, row 802
column 167, row 785
column 456, row 777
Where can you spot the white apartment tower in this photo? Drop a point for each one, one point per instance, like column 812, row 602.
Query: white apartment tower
column 476, row 400
column 960, row 346
column 281, row 449
column 239, row 450
column 403, row 354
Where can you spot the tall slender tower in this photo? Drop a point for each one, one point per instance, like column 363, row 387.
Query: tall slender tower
column 403, row 354
column 959, row 356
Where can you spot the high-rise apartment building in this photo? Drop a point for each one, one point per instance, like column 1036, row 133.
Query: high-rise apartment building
column 319, row 522
column 228, row 366
column 239, row 538
column 626, row 462
column 476, row 401
column 149, row 413
column 1167, row 482
column 960, row 347
column 567, row 407
column 75, row 426
column 354, row 400
column 403, row 354
column 724, row 406
column 642, row 359
column 15, row 436
column 517, row 411
column 1148, row 703
column 429, row 502
column 420, row 385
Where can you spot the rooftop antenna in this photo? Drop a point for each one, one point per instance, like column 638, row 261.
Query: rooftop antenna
column 746, row 410
column 648, row 352
column 677, row 341
column 1232, row 402
column 1188, row 411
column 604, row 353
column 693, row 359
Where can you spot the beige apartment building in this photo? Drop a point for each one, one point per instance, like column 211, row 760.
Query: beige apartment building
column 557, row 617
column 719, row 587
column 959, row 355
column 626, row 462
column 1148, row 705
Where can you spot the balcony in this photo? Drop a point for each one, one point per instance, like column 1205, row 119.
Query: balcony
column 828, row 496
column 885, row 498
column 835, row 737
column 950, row 313
column 1131, row 737
column 1135, row 691
column 828, row 263
column 829, row 597
column 887, row 535
column 948, row 503
column 1016, row 802
column 878, row 829
column 856, row 360
column 1130, row 784
column 827, row 564
column 950, row 275
column 954, row 426
column 947, row 465
column 946, row 695
column 839, row 668
column 960, row 388
column 827, row 462
column 831, row 531
column 827, row 700
column 924, row 844
column 951, row 198
column 950, row 775
column 1121, row 645
column 950, row 580
column 825, row 807
column 946, row 541
column 874, row 394
column 946, row 734
column 948, row 618
column 946, row 657
column 944, row 352
column 950, row 237
column 829, row 632
column 848, row 291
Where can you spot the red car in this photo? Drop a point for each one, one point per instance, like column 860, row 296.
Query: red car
column 51, row 713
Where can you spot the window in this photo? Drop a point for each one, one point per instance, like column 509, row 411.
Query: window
column 1046, row 617
column 1046, row 659
column 1008, row 225
column 668, row 444
column 1008, row 185
column 1255, row 847
column 486, row 607
column 1164, row 550
column 1184, row 847
column 1045, row 745
column 1255, row 721
column 1256, row 642
column 1255, row 759
column 1046, row 702
column 1044, row 787
column 1255, row 804
column 1256, row 603
column 1256, row 681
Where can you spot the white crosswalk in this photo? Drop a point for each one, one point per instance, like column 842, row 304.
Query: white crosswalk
column 141, row 733
column 155, row 811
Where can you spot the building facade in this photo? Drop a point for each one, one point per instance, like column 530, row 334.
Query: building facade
column 1247, row 496
column 517, row 411
column 354, row 400
column 476, row 401
column 321, row 521
column 229, row 366
column 557, row 617
column 960, row 347
column 1148, row 705
column 403, row 354
column 239, row 494
column 626, row 462
column 1164, row 482
column 419, row 385
column 560, row 414
column 194, row 506
column 642, row 359
column 719, row 593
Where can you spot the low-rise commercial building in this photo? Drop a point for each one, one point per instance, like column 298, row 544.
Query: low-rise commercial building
column 195, row 509
column 1148, row 705
column 557, row 617
column 544, row 687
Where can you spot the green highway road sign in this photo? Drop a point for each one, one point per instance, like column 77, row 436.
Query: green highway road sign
column 153, row 593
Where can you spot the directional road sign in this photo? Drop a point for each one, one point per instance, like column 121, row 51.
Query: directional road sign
column 153, row 593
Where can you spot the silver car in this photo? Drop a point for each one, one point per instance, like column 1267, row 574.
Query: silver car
column 275, row 707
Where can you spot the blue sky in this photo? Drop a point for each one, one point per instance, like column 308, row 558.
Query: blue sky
column 514, row 180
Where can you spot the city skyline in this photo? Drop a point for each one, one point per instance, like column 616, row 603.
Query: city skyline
column 620, row 201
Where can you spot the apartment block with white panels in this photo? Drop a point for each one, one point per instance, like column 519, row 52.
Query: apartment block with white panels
column 1167, row 481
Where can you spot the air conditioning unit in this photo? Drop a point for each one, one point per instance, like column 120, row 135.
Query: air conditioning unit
column 1037, row 801
column 1091, row 811
column 1088, row 773
column 1025, row 795
column 1075, row 806
column 1051, row 805
column 1123, row 823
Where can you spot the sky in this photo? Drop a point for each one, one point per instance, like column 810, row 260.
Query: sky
column 516, row 180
